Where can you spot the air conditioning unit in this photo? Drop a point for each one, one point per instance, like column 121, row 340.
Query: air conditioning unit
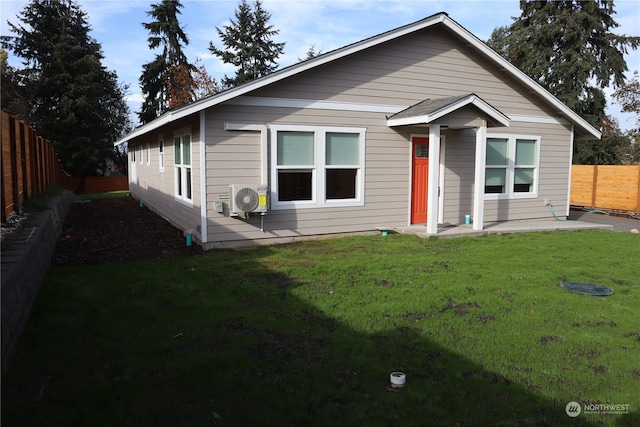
column 247, row 198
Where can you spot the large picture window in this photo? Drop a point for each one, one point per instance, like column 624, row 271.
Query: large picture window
column 182, row 165
column 511, row 166
column 317, row 167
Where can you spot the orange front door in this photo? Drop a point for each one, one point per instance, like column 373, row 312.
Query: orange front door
column 420, row 180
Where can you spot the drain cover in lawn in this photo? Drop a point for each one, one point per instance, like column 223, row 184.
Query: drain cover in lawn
column 587, row 288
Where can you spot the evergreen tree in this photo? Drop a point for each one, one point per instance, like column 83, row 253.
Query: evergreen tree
column 568, row 47
column 167, row 68
column 248, row 44
column 629, row 96
column 74, row 101
column 311, row 53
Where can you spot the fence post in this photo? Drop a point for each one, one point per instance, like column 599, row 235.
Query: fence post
column 7, row 175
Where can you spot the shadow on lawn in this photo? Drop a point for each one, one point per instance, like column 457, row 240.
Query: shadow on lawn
column 255, row 354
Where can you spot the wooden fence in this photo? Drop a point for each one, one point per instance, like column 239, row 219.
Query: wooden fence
column 29, row 165
column 606, row 187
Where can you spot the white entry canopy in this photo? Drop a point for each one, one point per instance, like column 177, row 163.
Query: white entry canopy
column 430, row 110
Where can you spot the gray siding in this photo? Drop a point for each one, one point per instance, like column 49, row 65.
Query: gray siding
column 156, row 188
column 402, row 72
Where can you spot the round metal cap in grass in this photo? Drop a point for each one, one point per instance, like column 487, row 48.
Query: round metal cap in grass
column 587, row 289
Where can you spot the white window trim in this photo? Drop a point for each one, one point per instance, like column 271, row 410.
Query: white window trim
column 183, row 168
column 318, row 188
column 148, row 154
column 510, row 168
column 161, row 154
column 141, row 154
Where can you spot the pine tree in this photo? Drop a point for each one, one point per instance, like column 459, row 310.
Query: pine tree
column 569, row 48
column 248, row 44
column 167, row 68
column 74, row 101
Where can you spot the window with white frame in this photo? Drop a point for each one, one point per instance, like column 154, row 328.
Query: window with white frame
column 140, row 154
column 182, row 165
column 511, row 166
column 317, row 166
column 132, row 154
column 148, row 154
column 161, row 155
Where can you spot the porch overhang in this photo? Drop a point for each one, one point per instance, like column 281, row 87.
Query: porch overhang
column 465, row 111
column 433, row 110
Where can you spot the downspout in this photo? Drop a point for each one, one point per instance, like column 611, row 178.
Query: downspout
column 204, row 234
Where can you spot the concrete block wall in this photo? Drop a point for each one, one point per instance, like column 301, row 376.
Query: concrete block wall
column 25, row 260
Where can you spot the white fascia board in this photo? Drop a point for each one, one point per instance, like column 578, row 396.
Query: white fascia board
column 522, row 77
column 408, row 121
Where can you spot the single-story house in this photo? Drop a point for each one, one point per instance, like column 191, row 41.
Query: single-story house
column 423, row 124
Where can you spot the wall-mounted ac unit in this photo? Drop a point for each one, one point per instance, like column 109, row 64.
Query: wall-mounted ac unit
column 247, row 198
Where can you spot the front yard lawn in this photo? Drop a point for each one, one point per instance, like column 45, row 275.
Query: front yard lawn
column 308, row 334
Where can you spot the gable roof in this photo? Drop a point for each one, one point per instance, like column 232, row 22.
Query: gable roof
column 582, row 127
column 432, row 109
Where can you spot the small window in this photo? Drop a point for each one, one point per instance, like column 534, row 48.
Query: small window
column 511, row 166
column 140, row 155
column 133, row 155
column 148, row 154
column 495, row 180
column 182, row 165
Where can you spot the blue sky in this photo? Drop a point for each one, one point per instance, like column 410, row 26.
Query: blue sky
column 327, row 24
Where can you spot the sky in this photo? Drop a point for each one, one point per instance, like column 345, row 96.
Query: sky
column 324, row 24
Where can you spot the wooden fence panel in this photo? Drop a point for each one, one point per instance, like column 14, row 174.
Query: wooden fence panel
column 606, row 187
column 29, row 164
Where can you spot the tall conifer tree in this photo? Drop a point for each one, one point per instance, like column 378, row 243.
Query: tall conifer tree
column 569, row 48
column 167, row 69
column 74, row 101
column 248, row 44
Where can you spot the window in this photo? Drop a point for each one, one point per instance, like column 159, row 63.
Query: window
column 133, row 155
column 140, row 154
column 161, row 155
column 317, row 167
column 511, row 166
column 148, row 154
column 182, row 162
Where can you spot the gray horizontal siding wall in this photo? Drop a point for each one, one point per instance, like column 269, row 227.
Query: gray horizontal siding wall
column 401, row 72
column 156, row 188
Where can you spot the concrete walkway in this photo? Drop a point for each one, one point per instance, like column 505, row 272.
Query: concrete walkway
column 578, row 220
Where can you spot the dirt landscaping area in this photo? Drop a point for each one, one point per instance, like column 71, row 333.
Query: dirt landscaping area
column 100, row 231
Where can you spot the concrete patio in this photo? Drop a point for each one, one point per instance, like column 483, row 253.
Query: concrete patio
column 506, row 227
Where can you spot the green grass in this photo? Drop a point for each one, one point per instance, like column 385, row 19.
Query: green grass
column 308, row 333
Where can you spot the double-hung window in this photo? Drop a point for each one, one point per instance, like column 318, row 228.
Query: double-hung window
column 148, row 154
column 511, row 166
column 182, row 165
column 317, row 166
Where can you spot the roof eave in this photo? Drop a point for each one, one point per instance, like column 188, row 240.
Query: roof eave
column 359, row 46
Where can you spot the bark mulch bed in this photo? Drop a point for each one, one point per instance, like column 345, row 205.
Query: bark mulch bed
column 108, row 230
